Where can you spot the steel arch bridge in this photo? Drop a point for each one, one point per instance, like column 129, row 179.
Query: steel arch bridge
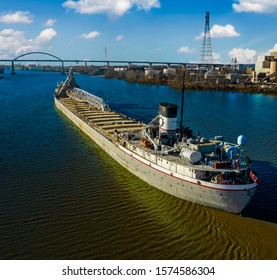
column 49, row 54
column 106, row 62
column 46, row 60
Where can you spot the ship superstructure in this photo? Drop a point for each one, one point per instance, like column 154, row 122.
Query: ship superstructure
column 208, row 171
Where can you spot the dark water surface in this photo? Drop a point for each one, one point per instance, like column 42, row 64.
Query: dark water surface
column 62, row 197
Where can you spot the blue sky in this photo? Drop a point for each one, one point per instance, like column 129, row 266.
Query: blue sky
column 155, row 30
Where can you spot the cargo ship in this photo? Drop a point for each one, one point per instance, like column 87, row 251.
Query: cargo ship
column 207, row 171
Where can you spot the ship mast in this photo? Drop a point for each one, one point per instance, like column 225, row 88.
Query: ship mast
column 182, row 103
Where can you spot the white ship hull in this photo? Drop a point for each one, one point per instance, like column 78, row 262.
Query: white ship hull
column 166, row 176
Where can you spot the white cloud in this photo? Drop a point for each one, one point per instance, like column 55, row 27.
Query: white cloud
column 110, row 7
column 50, row 22
column 90, row 35
column 217, row 58
column 218, row 31
column 256, row 6
column 13, row 42
column 9, row 39
column 16, row 17
column 199, row 37
column 185, row 49
column 6, row 33
column 119, row 38
column 41, row 41
column 45, row 36
column 243, row 55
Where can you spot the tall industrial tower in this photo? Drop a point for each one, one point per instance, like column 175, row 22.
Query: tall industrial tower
column 206, row 50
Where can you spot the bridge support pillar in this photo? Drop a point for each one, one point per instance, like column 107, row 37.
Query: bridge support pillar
column 63, row 72
column 86, row 68
column 13, row 72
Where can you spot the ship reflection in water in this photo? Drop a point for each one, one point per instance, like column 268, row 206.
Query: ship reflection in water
column 63, row 197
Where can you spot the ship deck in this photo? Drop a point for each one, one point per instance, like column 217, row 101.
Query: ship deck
column 107, row 121
column 110, row 121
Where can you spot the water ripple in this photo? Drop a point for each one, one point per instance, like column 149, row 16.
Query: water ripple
column 62, row 197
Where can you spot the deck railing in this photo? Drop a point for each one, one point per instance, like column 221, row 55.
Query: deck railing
column 82, row 95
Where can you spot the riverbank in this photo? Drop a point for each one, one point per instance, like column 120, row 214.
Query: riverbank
column 201, row 85
column 249, row 88
column 269, row 88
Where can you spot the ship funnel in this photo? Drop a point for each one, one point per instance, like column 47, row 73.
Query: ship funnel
column 168, row 119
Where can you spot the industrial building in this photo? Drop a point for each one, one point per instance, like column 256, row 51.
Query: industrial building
column 266, row 68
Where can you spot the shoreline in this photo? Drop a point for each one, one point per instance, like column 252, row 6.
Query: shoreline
column 175, row 82
column 268, row 89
